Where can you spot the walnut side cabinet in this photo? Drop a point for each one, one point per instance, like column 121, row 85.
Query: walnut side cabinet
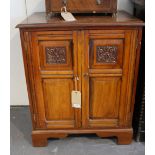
column 97, row 54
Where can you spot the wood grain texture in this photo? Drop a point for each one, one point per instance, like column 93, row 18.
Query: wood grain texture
column 104, row 98
column 108, row 89
column 57, row 95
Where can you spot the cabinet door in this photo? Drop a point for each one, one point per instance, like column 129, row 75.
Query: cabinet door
column 54, row 62
column 108, row 58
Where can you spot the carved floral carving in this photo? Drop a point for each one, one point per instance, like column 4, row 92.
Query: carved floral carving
column 106, row 54
column 55, row 55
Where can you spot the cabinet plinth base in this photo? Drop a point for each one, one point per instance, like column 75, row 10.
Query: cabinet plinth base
column 40, row 137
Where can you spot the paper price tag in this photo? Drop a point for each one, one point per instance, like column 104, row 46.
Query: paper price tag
column 67, row 16
column 76, row 99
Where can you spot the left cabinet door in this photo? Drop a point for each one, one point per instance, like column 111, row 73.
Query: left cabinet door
column 53, row 57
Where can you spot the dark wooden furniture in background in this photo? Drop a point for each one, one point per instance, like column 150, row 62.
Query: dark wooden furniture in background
column 139, row 112
column 97, row 54
column 82, row 6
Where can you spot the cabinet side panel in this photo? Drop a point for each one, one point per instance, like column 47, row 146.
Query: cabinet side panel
column 28, row 73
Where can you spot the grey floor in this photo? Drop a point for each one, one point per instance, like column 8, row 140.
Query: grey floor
column 73, row 145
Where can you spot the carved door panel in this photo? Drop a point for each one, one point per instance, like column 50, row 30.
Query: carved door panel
column 107, row 78
column 54, row 58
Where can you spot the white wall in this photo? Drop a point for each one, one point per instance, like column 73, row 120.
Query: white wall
column 19, row 10
column 18, row 85
column 125, row 5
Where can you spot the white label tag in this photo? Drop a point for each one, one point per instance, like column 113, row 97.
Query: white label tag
column 67, row 16
column 76, row 99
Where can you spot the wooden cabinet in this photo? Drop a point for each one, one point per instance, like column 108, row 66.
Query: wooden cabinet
column 96, row 58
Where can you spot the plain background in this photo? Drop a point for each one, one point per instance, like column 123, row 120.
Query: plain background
column 19, row 10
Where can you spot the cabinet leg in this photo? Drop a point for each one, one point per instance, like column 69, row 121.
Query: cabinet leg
column 40, row 138
column 39, row 141
column 124, row 136
column 124, row 139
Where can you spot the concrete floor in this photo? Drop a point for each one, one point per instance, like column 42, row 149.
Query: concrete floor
column 73, row 145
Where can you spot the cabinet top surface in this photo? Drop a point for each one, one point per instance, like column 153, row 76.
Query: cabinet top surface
column 40, row 19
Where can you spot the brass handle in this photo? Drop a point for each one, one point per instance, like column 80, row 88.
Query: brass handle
column 76, row 79
column 86, row 74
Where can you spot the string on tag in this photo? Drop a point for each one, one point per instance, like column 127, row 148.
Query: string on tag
column 64, row 9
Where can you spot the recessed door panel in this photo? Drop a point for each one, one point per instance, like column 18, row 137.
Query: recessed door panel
column 104, row 98
column 57, row 102
column 57, row 96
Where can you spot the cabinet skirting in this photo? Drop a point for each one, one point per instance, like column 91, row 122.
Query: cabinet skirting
column 40, row 137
